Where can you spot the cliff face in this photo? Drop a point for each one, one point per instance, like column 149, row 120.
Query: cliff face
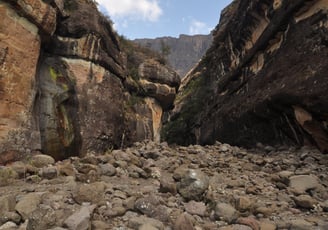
column 263, row 80
column 20, row 48
column 183, row 52
column 63, row 82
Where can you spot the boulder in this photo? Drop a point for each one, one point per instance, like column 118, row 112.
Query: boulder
column 7, row 204
column 184, row 221
column 195, row 208
column 302, row 183
column 305, row 201
column 151, row 207
column 10, row 216
column 225, row 212
column 193, row 184
column 300, row 224
column 138, row 221
column 42, row 160
column 80, row 220
column 44, row 217
column 49, row 173
column 93, row 193
column 28, row 204
column 8, row 225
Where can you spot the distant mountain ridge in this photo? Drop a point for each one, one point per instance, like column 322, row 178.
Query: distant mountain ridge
column 183, row 52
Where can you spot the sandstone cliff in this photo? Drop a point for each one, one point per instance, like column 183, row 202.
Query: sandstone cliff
column 183, row 53
column 264, row 78
column 63, row 82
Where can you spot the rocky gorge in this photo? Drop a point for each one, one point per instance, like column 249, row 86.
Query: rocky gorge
column 97, row 132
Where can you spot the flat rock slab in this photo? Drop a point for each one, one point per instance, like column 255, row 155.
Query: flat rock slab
column 300, row 184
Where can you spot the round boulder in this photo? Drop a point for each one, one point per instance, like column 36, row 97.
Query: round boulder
column 193, row 184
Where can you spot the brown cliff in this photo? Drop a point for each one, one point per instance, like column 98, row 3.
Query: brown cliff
column 263, row 80
column 63, row 83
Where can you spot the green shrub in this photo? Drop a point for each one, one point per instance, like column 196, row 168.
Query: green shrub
column 70, row 5
column 180, row 130
column 7, row 175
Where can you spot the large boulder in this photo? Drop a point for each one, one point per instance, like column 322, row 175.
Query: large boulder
column 263, row 80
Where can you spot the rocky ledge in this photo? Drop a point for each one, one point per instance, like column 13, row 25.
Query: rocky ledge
column 155, row 186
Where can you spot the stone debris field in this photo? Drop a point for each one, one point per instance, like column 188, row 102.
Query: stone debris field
column 153, row 186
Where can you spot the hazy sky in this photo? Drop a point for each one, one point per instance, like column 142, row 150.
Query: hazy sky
column 157, row 18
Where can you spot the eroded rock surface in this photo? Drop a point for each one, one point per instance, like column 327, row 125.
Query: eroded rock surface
column 64, row 83
column 262, row 81
column 20, row 46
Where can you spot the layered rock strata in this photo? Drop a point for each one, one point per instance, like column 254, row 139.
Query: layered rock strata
column 262, row 81
column 63, row 83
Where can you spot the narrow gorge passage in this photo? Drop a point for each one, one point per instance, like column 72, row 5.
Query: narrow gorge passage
column 100, row 132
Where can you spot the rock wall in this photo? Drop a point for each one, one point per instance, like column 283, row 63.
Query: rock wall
column 263, row 80
column 63, row 83
column 20, row 48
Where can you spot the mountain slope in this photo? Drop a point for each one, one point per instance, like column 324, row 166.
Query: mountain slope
column 183, row 53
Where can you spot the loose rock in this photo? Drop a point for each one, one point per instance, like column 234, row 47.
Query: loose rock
column 42, row 160
column 305, row 201
column 80, row 220
column 183, row 222
column 27, row 204
column 302, row 183
column 225, row 212
column 193, row 184
column 131, row 198
column 196, row 208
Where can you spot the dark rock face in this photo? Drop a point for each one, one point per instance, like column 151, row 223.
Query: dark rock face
column 81, row 93
column 183, row 52
column 57, row 108
column 263, row 80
